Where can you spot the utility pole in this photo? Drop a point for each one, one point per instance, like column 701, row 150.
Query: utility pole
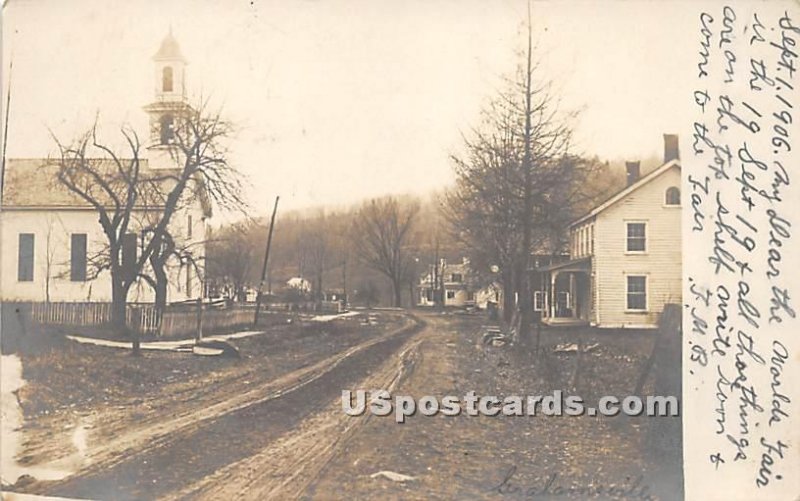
column 436, row 274
column 344, row 282
column 5, row 133
column 266, row 259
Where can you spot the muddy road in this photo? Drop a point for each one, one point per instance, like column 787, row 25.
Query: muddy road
column 293, row 422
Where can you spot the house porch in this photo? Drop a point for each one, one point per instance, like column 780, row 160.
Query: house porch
column 564, row 297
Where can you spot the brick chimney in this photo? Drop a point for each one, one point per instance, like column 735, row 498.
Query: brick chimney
column 671, row 147
column 631, row 172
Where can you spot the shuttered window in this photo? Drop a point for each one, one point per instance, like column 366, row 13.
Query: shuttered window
column 77, row 269
column 129, row 243
column 25, row 257
column 189, row 280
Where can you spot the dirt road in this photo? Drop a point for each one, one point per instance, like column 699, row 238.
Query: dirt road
column 274, row 424
column 285, row 436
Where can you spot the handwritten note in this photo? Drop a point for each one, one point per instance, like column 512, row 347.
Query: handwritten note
column 742, row 255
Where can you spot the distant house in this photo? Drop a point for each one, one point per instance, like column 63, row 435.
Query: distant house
column 625, row 255
column 299, row 284
column 489, row 294
column 455, row 282
column 48, row 234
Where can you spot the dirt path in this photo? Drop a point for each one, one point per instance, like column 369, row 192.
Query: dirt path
column 524, row 457
column 172, row 452
column 285, row 468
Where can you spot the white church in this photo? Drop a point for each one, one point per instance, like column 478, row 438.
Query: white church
column 48, row 235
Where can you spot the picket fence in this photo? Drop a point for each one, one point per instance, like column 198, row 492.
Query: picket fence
column 145, row 318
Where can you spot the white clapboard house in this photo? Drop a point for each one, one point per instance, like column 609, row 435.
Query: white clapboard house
column 625, row 255
column 454, row 281
column 49, row 234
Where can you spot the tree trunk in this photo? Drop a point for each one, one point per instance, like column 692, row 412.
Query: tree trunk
column 119, row 303
column 398, row 300
column 161, row 289
column 526, row 299
column 320, row 294
column 119, row 298
column 508, row 295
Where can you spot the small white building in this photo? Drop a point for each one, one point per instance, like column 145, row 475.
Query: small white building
column 299, row 284
column 48, row 235
column 625, row 255
column 453, row 281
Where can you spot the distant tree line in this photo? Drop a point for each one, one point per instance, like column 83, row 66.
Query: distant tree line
column 376, row 250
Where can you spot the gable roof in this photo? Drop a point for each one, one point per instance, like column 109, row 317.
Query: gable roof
column 627, row 191
column 33, row 183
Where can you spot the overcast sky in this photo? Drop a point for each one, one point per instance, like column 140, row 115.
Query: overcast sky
column 341, row 100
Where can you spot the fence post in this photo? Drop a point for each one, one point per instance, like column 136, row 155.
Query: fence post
column 135, row 327
column 199, row 319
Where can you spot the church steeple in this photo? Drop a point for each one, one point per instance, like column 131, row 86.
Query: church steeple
column 169, row 100
column 170, row 67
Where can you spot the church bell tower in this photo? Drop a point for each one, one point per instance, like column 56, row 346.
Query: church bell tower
column 169, row 102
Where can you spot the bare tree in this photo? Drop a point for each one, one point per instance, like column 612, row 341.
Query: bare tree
column 381, row 236
column 316, row 242
column 130, row 199
column 111, row 185
column 511, row 197
column 232, row 256
column 484, row 207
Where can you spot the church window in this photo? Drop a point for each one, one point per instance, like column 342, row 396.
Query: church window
column 166, row 79
column 167, row 134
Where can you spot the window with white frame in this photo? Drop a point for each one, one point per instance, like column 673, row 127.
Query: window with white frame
column 636, row 237
column 586, row 241
column 672, row 196
column 538, row 301
column 636, row 296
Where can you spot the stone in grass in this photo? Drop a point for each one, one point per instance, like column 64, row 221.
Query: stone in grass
column 216, row 347
column 393, row 476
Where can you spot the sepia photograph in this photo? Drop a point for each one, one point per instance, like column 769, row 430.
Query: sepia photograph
column 351, row 249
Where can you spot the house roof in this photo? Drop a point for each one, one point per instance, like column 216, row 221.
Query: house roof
column 32, row 183
column 628, row 190
column 579, row 264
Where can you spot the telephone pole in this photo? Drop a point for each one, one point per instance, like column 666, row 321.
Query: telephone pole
column 266, row 259
column 5, row 132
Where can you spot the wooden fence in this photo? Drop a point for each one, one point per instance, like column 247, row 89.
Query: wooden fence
column 145, row 318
